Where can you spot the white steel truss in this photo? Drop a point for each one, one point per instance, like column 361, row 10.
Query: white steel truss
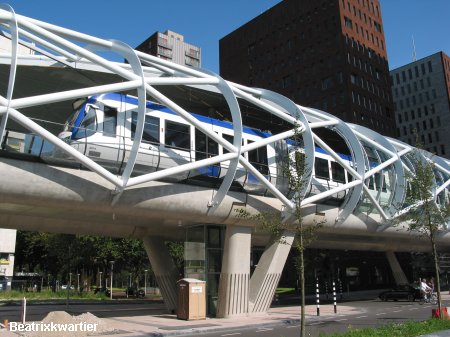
column 69, row 47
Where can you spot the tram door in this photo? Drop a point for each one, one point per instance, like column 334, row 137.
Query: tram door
column 98, row 136
column 148, row 157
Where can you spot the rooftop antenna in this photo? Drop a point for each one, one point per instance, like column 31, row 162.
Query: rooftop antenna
column 414, row 56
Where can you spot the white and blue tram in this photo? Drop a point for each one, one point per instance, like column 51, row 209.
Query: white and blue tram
column 102, row 128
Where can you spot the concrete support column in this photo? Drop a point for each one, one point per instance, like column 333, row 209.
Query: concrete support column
column 267, row 274
column 397, row 271
column 235, row 274
column 166, row 272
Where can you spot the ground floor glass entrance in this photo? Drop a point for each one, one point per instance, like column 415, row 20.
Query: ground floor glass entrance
column 203, row 250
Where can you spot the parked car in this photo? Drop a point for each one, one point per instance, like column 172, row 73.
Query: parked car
column 102, row 290
column 135, row 292
column 406, row 292
column 65, row 286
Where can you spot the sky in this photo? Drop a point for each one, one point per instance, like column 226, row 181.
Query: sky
column 204, row 22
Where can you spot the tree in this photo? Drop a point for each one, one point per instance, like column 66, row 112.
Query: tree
column 426, row 213
column 295, row 169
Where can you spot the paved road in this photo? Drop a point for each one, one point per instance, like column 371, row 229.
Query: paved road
column 367, row 313
column 375, row 313
column 36, row 312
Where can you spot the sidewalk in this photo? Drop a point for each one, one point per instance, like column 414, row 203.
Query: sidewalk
column 163, row 324
column 169, row 325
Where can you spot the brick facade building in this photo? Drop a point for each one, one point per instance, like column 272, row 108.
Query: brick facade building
column 327, row 54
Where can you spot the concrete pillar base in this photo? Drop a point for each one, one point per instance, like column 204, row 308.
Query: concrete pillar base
column 235, row 276
column 397, row 271
column 166, row 272
column 267, row 274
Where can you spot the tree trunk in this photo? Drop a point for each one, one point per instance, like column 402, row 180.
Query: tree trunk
column 302, row 287
column 437, row 284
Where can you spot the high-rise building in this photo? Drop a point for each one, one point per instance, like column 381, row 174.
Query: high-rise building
column 171, row 46
column 421, row 92
column 328, row 54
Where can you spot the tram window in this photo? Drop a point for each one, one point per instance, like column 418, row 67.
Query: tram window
column 338, row 172
column 371, row 183
column 109, row 122
column 88, row 126
column 205, row 147
column 258, row 158
column 384, row 187
column 377, row 180
column 321, row 168
column 151, row 128
column 229, row 139
column 349, row 177
column 178, row 135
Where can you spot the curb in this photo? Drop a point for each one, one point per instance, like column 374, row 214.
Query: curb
column 199, row 331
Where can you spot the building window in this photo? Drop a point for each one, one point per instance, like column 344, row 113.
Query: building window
column 348, row 22
column 442, row 149
column 430, row 67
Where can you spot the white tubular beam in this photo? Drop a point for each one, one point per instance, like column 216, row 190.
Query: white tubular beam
column 182, row 69
column 179, row 169
column 316, row 125
column 13, row 67
column 191, row 119
column 27, row 102
column 180, row 80
column 374, row 144
column 81, row 158
column 328, row 193
column 59, row 30
column 375, row 203
column 385, row 164
column 268, row 107
column 442, row 169
column 128, row 53
column 336, row 157
column 44, row 43
column 266, row 141
column 163, row 69
column 317, row 114
column 442, row 187
column 251, row 91
column 266, row 183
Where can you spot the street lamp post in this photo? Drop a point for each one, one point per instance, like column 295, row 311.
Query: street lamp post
column 130, row 281
column 70, row 280
column 100, row 283
column 145, row 282
column 112, row 267
column 78, row 282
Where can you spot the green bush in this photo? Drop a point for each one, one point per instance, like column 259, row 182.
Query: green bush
column 48, row 295
column 408, row 329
